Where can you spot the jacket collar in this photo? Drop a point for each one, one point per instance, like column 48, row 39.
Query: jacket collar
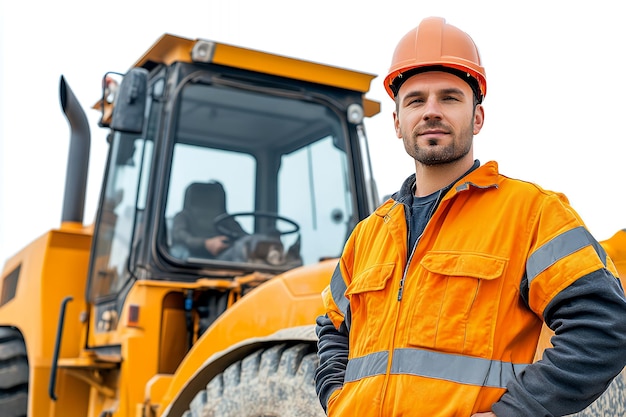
column 485, row 176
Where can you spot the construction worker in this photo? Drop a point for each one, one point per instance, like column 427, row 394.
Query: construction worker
column 194, row 233
column 438, row 300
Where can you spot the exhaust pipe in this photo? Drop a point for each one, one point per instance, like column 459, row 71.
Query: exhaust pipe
column 78, row 159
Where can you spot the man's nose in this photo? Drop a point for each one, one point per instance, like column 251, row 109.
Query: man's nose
column 432, row 109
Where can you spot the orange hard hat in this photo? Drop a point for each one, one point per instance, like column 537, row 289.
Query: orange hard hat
column 436, row 45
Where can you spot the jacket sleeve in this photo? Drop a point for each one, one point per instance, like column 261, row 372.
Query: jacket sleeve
column 182, row 236
column 333, row 328
column 589, row 321
column 332, row 350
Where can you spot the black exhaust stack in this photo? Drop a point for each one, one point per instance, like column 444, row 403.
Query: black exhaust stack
column 78, row 159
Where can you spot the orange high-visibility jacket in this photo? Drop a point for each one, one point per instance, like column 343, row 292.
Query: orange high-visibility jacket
column 440, row 332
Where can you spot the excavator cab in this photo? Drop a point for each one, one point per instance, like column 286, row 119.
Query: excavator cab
column 196, row 151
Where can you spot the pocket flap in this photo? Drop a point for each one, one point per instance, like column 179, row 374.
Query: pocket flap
column 474, row 265
column 372, row 279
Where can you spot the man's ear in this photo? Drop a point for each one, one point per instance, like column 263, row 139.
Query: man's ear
column 396, row 125
column 479, row 118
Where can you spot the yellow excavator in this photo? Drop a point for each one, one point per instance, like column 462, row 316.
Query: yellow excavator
column 233, row 178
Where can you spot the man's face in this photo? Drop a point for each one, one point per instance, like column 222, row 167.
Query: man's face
column 436, row 118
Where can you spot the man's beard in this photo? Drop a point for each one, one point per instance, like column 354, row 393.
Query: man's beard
column 440, row 155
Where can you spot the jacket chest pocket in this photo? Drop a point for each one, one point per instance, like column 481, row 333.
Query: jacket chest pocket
column 369, row 304
column 456, row 302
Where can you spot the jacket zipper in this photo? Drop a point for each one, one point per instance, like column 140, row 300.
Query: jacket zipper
column 406, row 269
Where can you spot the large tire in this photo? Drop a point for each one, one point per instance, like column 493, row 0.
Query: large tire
column 13, row 374
column 612, row 403
column 273, row 382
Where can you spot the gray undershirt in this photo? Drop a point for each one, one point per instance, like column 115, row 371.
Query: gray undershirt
column 421, row 209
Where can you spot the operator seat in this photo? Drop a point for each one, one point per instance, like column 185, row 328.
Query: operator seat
column 195, row 222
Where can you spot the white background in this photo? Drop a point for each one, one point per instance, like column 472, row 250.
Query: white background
column 554, row 109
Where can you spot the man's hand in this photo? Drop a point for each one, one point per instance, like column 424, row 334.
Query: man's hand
column 489, row 414
column 216, row 244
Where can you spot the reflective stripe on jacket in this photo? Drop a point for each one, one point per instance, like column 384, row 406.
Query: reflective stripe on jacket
column 446, row 331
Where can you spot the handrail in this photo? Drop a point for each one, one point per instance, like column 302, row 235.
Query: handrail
column 57, row 348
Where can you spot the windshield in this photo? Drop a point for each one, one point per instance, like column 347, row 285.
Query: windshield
column 256, row 178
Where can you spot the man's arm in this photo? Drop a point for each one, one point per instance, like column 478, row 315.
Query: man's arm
column 589, row 321
column 182, row 236
column 332, row 350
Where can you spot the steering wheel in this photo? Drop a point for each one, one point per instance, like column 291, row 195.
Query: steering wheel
column 221, row 227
